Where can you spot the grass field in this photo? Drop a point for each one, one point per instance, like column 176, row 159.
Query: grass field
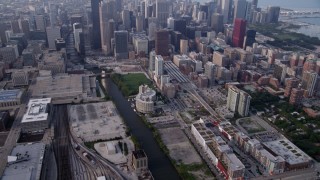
column 129, row 83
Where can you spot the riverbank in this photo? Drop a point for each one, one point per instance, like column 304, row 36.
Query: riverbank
column 159, row 163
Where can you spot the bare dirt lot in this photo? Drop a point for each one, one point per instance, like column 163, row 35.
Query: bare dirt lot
column 179, row 146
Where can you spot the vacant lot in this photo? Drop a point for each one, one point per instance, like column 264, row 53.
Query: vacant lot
column 179, row 146
column 250, row 126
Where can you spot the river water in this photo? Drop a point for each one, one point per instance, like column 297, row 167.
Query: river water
column 159, row 164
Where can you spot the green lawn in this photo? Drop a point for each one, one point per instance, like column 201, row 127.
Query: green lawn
column 129, row 83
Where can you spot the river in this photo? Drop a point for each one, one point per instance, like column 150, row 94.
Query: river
column 159, row 164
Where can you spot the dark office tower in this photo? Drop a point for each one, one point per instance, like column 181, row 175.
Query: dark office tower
column 96, row 24
column 239, row 31
column 162, row 42
column 191, row 32
column 273, row 14
column 3, row 28
column 110, row 35
column 176, row 36
column 212, row 7
column 250, row 38
column 204, row 8
column 15, row 26
column 24, row 24
column 180, row 25
column 118, row 5
column 121, row 44
column 217, row 22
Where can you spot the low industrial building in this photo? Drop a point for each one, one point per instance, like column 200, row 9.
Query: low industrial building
column 10, row 99
column 37, row 117
column 65, row 89
column 96, row 121
column 25, row 162
column 54, row 61
column 145, row 99
column 20, row 78
column 139, row 161
column 294, row 157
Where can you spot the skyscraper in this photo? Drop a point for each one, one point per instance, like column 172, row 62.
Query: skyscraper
column 53, row 33
column 139, row 23
column 273, row 14
column 162, row 11
column 217, row 22
column 162, row 42
column 225, row 6
column 244, row 103
column 250, row 38
column 126, row 19
column 180, row 25
column 239, row 32
column 159, row 65
column 309, row 81
column 152, row 59
column 240, row 7
column 238, row 101
column 77, row 29
column 15, row 26
column 121, row 44
column 96, row 24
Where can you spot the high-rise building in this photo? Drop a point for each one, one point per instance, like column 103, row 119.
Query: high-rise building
column 250, row 38
column 162, row 11
column 233, row 98
column 217, row 22
column 152, row 59
column 296, row 96
column 225, row 6
column 8, row 54
column 139, row 23
column 77, row 29
column 238, row 101
column 309, row 82
column 25, row 28
column 159, row 62
column 162, row 42
column 244, row 103
column 3, row 29
column 240, row 7
column 184, row 46
column 280, row 72
column 210, row 71
column 180, row 25
column 290, row 84
column 273, row 14
column 239, row 32
column 126, row 19
column 152, row 29
column 15, row 26
column 121, row 44
column 40, row 23
column 96, row 24
column 53, row 33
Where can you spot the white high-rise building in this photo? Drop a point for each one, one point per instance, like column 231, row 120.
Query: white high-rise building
column 159, row 65
column 77, row 29
column 152, row 59
column 152, row 31
column 244, row 103
column 233, row 98
column 53, row 33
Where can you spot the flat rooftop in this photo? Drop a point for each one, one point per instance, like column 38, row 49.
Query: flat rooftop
column 288, row 151
column 139, row 154
column 37, row 110
column 96, row 121
column 204, row 132
column 10, row 95
column 234, row 163
column 25, row 162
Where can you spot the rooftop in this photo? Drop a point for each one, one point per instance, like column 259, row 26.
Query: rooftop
column 10, row 95
column 37, row 110
column 286, row 149
column 139, row 154
column 25, row 162
column 234, row 163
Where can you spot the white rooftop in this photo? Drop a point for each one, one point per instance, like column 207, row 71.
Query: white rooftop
column 288, row 151
column 36, row 110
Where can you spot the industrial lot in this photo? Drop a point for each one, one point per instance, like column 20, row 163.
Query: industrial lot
column 157, row 89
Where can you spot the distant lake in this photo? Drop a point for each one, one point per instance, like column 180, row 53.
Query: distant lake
column 291, row 4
